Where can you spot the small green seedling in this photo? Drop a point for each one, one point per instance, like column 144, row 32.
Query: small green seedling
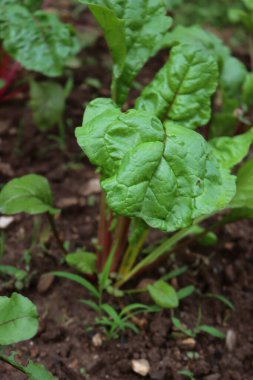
column 19, row 322
column 198, row 328
column 188, row 374
column 222, row 299
column 111, row 321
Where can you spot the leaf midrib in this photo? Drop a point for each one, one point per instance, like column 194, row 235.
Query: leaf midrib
column 177, row 92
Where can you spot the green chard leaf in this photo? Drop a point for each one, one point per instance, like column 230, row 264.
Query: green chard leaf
column 232, row 73
column 114, row 31
column 198, row 37
column 231, row 150
column 30, row 194
column 47, row 101
column 18, row 319
column 134, row 32
column 182, row 89
column 166, row 174
column 244, row 187
column 39, row 41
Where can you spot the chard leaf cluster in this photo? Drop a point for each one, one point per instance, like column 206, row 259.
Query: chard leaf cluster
column 36, row 38
column 134, row 31
column 153, row 165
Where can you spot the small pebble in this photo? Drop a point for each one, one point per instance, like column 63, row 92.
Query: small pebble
column 141, row 366
column 188, row 343
column 5, row 221
column 45, row 282
column 97, row 340
column 231, row 340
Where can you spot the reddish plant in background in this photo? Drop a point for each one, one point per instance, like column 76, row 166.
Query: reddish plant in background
column 8, row 76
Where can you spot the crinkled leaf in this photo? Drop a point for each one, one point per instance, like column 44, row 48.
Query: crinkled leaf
column 166, row 176
column 84, row 262
column 182, row 89
column 198, row 37
column 30, row 194
column 47, row 101
column 143, row 26
column 232, row 71
column 39, row 41
column 108, row 134
column 244, row 187
column 231, row 150
column 163, row 294
column 18, row 319
column 169, row 185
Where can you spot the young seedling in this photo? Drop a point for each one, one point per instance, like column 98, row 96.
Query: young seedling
column 19, row 322
column 188, row 374
column 111, row 321
column 30, row 194
column 192, row 333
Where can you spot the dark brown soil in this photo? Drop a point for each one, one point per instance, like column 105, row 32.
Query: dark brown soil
column 64, row 344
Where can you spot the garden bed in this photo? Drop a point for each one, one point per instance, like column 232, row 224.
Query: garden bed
column 64, row 342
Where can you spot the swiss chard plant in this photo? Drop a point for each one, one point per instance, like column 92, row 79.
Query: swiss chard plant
column 35, row 39
column 157, row 170
column 19, row 321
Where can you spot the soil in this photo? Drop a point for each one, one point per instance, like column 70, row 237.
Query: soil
column 64, row 341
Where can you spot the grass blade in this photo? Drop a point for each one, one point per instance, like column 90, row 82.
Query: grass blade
column 80, row 280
